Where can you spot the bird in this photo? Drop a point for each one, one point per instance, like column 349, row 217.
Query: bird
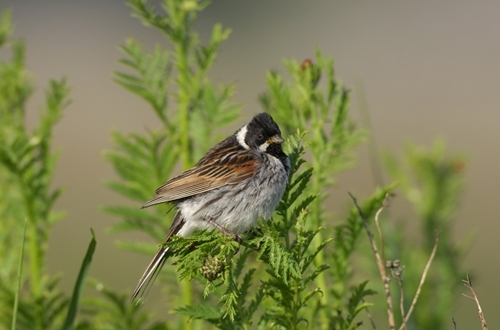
column 239, row 180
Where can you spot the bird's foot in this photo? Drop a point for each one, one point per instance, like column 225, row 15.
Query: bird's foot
column 223, row 230
column 238, row 238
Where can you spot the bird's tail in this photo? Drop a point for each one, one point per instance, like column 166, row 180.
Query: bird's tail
column 150, row 274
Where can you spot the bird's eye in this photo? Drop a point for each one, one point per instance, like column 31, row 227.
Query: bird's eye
column 260, row 137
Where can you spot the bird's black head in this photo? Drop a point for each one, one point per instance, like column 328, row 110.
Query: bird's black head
column 260, row 133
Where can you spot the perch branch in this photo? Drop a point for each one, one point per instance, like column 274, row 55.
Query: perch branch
column 422, row 280
column 468, row 284
column 380, row 265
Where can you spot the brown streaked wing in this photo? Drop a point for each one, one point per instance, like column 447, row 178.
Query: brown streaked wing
column 220, row 169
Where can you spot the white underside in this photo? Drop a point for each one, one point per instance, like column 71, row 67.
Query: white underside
column 237, row 207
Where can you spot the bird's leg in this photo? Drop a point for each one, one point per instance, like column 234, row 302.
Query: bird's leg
column 223, row 230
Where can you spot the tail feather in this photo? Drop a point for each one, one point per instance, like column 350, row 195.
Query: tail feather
column 150, row 274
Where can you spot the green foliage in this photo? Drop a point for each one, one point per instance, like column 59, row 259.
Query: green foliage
column 289, row 266
column 290, row 249
column 293, row 272
column 77, row 291
column 356, row 304
column 111, row 310
column 314, row 101
column 27, row 165
column 173, row 81
column 175, row 84
column 285, row 262
column 432, row 181
column 296, row 266
column 19, row 282
column 30, row 299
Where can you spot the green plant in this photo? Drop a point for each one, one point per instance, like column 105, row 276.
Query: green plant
column 30, row 299
column 432, row 181
column 291, row 261
column 299, row 270
column 188, row 105
column 302, row 259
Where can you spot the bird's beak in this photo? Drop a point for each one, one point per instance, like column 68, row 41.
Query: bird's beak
column 276, row 139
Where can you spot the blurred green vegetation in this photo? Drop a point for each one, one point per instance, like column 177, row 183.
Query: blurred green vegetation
column 30, row 299
column 300, row 275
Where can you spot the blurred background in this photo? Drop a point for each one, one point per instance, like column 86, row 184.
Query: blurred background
column 425, row 69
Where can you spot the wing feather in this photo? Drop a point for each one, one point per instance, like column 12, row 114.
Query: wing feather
column 218, row 168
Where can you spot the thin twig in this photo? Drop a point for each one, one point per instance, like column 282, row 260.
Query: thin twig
column 380, row 265
column 468, row 284
column 454, row 323
column 370, row 317
column 380, row 236
column 422, row 280
column 401, row 297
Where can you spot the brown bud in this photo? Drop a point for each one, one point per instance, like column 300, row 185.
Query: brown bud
column 459, row 165
column 212, row 268
column 305, row 64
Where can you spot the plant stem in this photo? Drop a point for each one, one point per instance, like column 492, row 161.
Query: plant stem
column 184, row 103
column 295, row 306
column 34, row 248
column 183, row 136
column 19, row 278
column 318, row 239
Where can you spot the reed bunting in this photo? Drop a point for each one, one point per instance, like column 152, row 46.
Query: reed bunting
column 237, row 181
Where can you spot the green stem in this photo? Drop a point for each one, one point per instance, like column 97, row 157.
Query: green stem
column 34, row 251
column 286, row 220
column 318, row 239
column 34, row 256
column 19, row 278
column 295, row 307
column 183, row 136
column 184, row 104
column 33, row 246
